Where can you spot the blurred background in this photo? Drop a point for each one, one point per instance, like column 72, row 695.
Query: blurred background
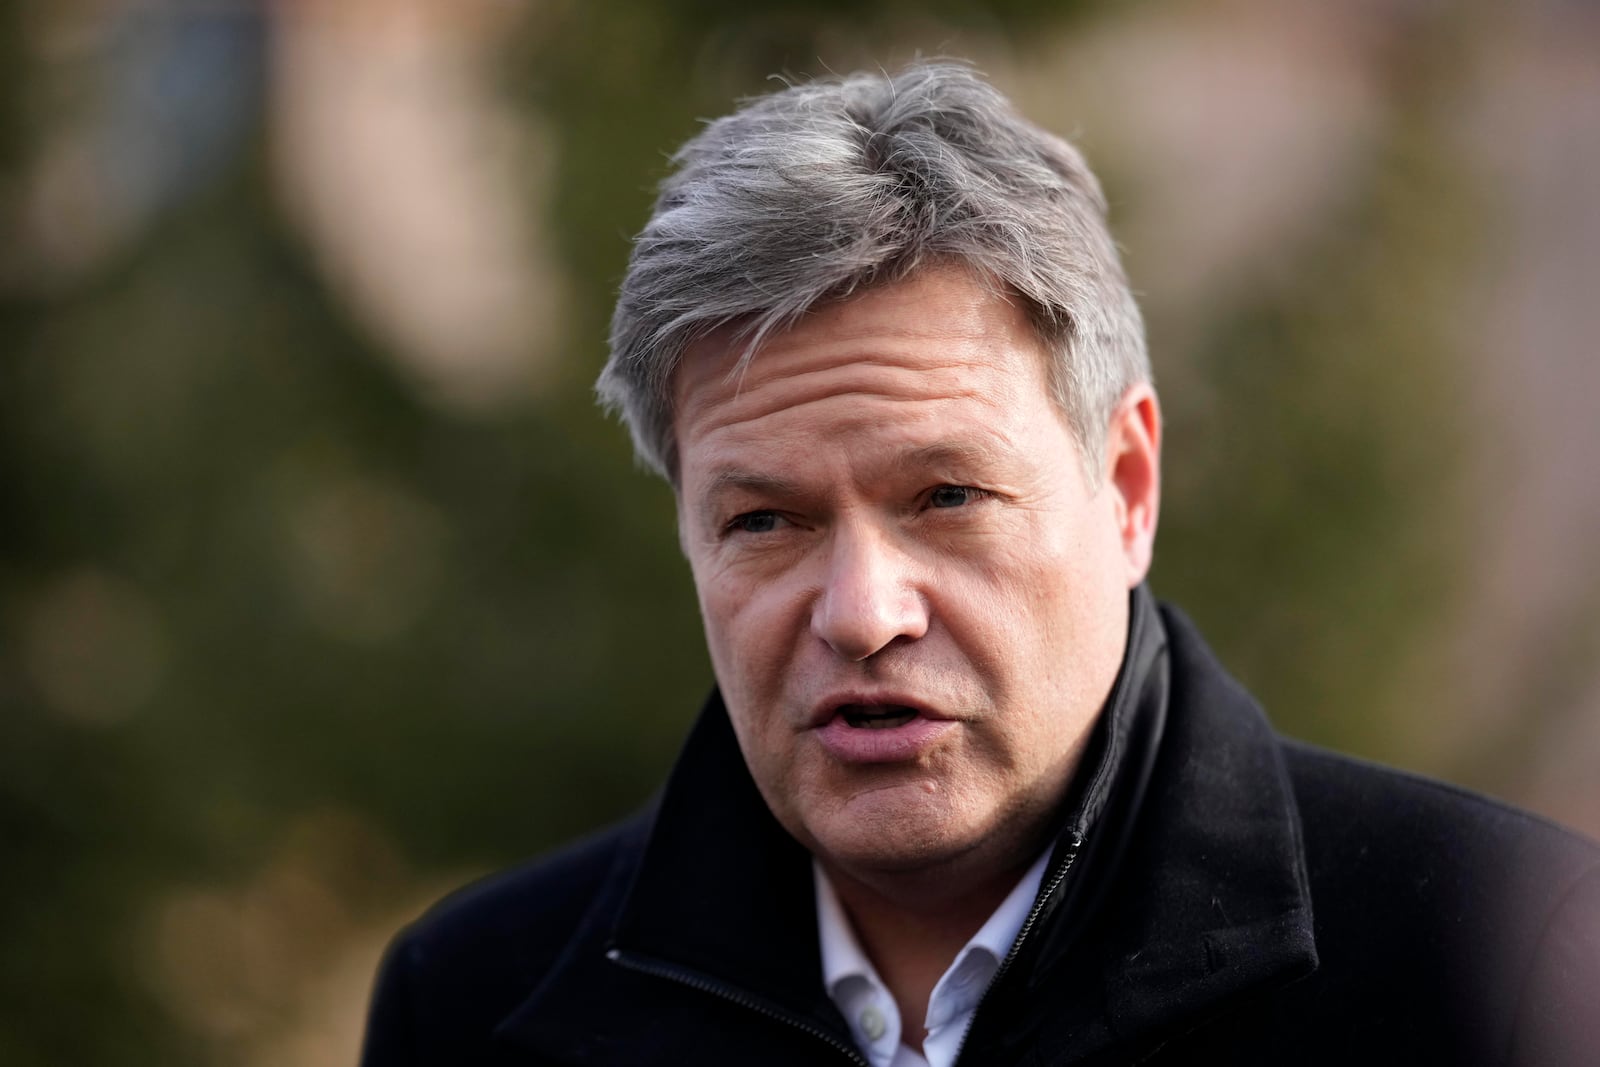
column 324, row 588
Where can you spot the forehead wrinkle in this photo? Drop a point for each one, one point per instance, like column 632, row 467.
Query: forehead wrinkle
column 867, row 418
column 784, row 358
column 774, row 368
column 746, row 406
column 779, row 367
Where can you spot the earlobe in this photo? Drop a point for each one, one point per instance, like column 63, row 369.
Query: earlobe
column 1133, row 460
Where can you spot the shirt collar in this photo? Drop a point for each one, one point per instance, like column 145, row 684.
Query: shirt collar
column 853, row 983
column 851, row 980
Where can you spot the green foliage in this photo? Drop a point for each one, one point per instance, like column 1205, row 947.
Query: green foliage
column 1314, row 523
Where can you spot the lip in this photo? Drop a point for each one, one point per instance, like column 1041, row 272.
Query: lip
column 895, row 744
column 827, row 709
column 851, row 744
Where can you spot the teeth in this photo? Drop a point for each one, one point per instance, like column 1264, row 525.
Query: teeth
column 878, row 719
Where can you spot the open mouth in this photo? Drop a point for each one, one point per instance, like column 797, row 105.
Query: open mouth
column 876, row 716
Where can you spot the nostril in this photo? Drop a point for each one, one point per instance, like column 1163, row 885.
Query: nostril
column 869, row 600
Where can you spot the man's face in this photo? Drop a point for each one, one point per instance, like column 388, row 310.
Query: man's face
column 914, row 601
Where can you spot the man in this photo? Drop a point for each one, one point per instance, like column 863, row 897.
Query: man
column 964, row 792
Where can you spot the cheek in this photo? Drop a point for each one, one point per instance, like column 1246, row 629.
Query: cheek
column 1035, row 610
column 1023, row 581
column 750, row 632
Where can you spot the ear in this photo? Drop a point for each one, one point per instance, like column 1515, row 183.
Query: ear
column 1133, row 476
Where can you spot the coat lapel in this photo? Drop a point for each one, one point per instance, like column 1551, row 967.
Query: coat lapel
column 720, row 904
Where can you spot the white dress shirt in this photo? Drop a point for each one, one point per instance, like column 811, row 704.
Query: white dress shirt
column 865, row 1002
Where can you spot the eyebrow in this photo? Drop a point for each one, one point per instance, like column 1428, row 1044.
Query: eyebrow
column 950, row 454
column 944, row 454
column 734, row 480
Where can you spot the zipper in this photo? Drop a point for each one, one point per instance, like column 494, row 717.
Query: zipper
column 695, row 980
column 735, row 995
column 1056, row 878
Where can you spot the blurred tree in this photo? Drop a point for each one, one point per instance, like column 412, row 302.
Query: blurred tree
column 1327, row 464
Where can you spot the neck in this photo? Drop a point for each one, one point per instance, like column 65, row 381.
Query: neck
column 913, row 929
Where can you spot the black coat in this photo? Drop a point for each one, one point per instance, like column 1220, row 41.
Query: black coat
column 1217, row 895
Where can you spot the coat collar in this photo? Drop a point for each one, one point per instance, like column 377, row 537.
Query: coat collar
column 1182, row 882
column 1192, row 895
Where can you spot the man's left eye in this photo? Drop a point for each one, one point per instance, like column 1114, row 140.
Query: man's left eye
column 953, row 496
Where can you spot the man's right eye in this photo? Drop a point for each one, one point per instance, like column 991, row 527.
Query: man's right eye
column 754, row 522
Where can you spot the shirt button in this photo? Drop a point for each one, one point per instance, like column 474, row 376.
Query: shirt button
column 872, row 1022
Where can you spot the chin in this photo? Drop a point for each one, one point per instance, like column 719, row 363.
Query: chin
column 895, row 838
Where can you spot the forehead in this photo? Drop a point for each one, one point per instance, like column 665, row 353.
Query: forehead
column 899, row 353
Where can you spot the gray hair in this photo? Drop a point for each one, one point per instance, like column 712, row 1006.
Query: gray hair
column 828, row 187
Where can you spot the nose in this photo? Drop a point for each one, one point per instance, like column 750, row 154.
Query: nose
column 869, row 598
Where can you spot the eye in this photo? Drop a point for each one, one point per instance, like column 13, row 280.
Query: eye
column 754, row 522
column 953, row 496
